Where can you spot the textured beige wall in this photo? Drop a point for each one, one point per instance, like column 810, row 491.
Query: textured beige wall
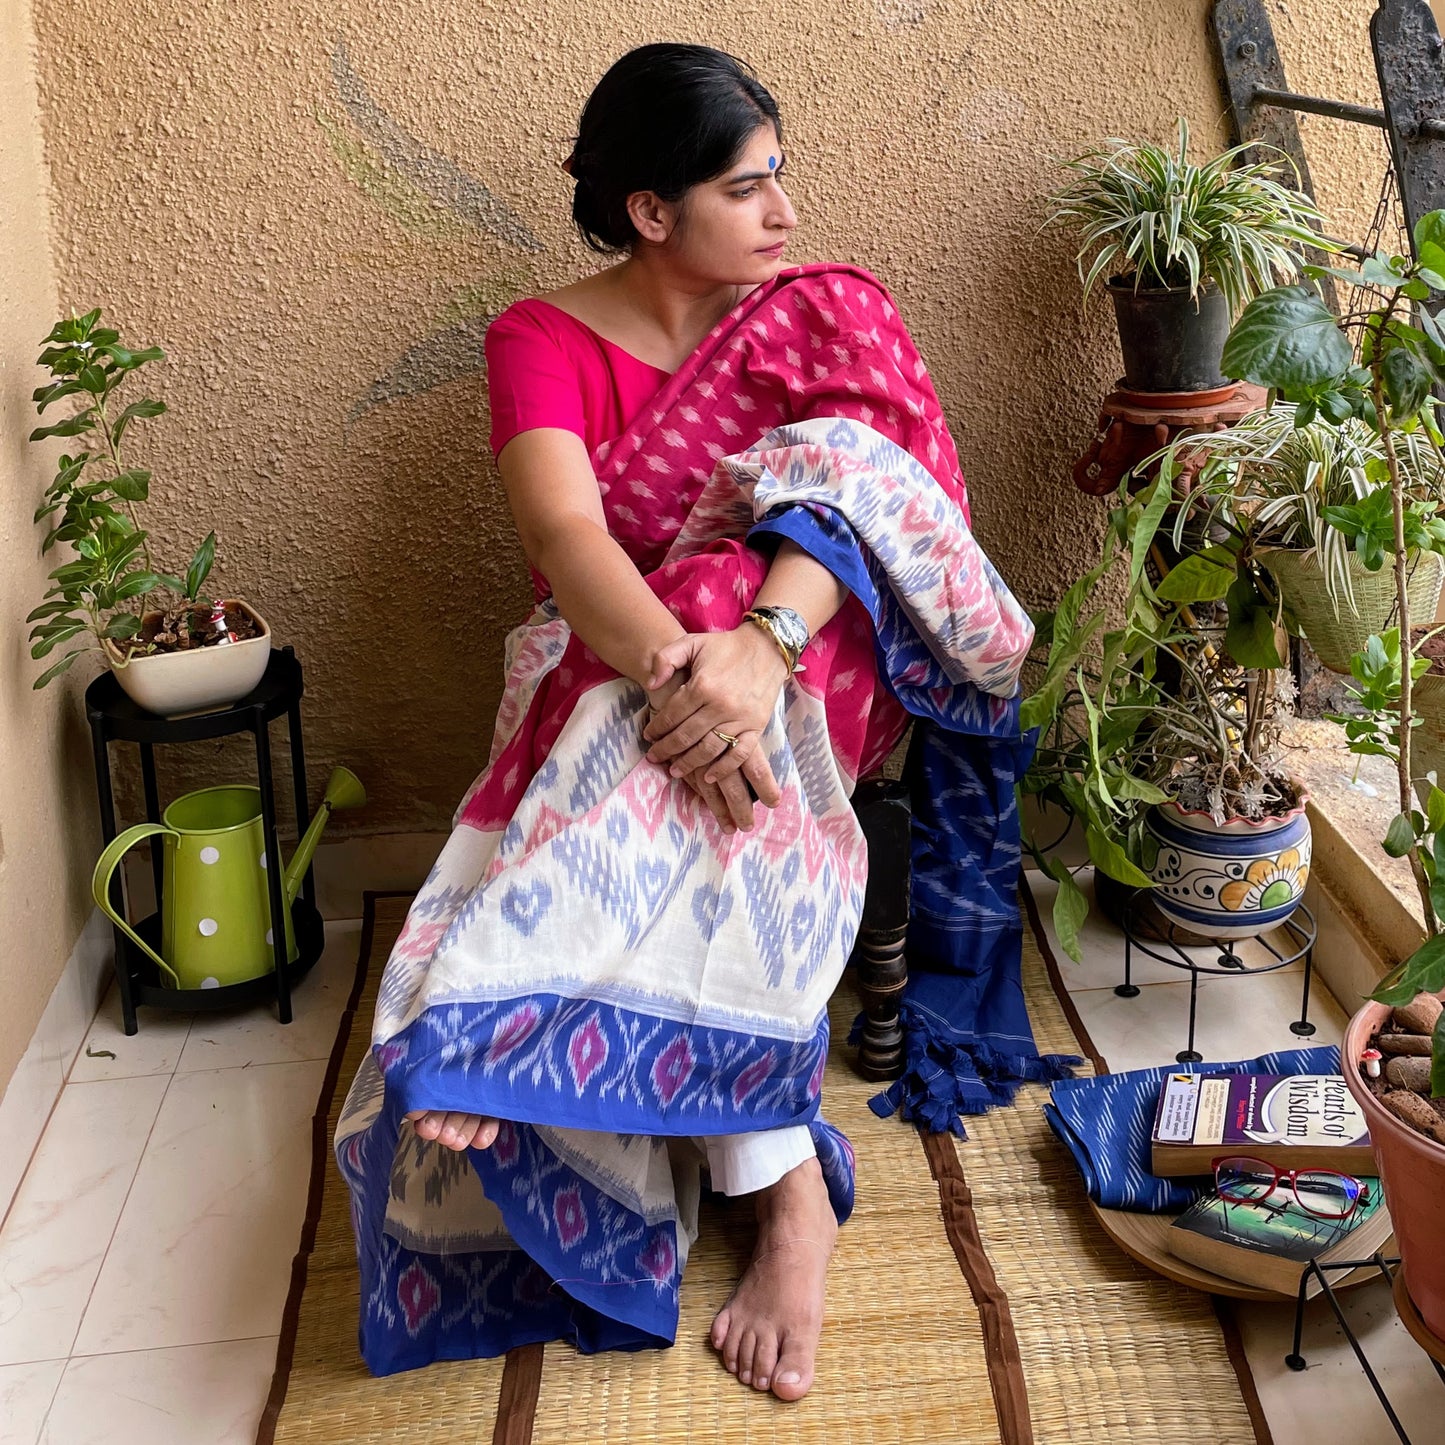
column 315, row 208
column 48, row 835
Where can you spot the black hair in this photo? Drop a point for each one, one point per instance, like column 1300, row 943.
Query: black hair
column 663, row 119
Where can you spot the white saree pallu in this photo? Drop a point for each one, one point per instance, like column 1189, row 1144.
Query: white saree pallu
column 595, row 963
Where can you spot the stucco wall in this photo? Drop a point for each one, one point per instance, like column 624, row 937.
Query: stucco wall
column 48, row 835
column 316, row 207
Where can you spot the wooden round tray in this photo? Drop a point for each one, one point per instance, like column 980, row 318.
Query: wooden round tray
column 1145, row 1237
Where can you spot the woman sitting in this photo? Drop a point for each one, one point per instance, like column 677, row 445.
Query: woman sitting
column 748, row 534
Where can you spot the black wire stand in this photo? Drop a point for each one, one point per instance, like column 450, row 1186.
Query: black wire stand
column 1299, row 931
column 1296, row 1361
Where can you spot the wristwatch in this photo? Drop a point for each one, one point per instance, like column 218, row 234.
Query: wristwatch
column 787, row 629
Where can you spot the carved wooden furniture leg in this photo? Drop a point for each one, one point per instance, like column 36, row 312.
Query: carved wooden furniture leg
column 882, row 808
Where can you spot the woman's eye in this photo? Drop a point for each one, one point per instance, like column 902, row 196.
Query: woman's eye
column 743, row 195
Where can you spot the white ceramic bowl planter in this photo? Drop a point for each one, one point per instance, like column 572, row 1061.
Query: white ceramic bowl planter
column 1232, row 880
column 172, row 683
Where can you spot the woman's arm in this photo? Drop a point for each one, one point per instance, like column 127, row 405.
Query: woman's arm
column 558, row 511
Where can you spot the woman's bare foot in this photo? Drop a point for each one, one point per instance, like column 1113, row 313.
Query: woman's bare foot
column 767, row 1332
column 455, row 1131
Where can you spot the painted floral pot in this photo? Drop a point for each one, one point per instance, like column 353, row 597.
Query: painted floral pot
column 1231, row 880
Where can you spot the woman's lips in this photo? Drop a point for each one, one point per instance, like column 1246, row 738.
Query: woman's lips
column 773, row 250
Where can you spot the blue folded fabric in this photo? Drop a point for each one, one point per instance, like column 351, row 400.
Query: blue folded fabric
column 1107, row 1123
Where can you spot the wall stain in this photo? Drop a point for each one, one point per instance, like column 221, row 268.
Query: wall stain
column 434, row 174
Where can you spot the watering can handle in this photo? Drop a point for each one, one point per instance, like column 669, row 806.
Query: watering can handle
column 100, row 885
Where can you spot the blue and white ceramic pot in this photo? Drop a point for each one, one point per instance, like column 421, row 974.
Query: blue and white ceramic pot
column 1234, row 880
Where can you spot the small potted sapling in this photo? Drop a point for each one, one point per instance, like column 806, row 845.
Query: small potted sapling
column 172, row 649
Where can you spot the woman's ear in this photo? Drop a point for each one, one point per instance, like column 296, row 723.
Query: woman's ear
column 654, row 219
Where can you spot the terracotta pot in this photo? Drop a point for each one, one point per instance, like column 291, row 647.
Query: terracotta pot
column 199, row 679
column 1412, row 1171
column 1237, row 879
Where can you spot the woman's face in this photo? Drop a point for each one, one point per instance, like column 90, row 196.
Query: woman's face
column 735, row 226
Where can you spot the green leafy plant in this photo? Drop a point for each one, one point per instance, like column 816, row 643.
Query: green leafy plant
column 105, row 589
column 1290, row 342
column 1151, row 213
column 1279, row 479
column 1176, row 701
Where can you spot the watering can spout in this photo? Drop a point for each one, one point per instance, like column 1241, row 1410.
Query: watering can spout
column 343, row 790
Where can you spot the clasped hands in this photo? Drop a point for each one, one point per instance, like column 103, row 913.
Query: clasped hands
column 704, row 684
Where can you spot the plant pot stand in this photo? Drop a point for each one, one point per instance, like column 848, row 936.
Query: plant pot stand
column 1390, row 1269
column 114, row 717
column 1299, row 932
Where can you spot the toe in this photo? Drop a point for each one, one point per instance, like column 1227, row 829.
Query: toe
column 427, row 1125
column 719, row 1332
column 746, row 1351
column 487, row 1134
column 794, row 1375
column 765, row 1361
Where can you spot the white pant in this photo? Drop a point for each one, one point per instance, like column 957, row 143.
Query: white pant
column 745, row 1163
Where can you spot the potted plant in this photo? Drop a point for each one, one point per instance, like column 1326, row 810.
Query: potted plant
column 179, row 655
column 1289, row 341
column 1182, row 248
column 1160, row 736
column 1308, row 498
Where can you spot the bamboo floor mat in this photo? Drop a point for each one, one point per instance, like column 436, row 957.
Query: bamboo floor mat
column 972, row 1298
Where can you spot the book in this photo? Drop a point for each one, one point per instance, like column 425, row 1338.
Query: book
column 1269, row 1243
column 1293, row 1121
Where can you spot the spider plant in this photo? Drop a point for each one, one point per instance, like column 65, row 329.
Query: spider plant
column 1270, row 482
column 1151, row 213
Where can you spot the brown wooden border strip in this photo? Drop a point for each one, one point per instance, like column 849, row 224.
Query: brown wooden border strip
column 1223, row 1308
column 1000, row 1343
column 517, row 1400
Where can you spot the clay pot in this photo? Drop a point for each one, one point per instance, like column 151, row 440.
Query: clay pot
column 1412, row 1171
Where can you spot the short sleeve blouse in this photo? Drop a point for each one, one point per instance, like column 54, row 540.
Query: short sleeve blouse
column 545, row 368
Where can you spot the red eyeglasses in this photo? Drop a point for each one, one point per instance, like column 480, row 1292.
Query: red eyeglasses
column 1323, row 1192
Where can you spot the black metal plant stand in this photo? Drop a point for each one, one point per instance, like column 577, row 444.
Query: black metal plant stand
column 1296, row 1361
column 115, row 718
column 1299, row 930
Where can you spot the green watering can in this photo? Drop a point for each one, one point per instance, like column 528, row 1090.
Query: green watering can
column 216, row 924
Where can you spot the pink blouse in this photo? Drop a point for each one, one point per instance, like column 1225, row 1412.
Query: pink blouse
column 546, row 368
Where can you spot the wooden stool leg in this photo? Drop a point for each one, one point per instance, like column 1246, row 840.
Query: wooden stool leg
column 879, row 954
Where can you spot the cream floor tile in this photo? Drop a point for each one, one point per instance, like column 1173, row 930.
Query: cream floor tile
column 193, row 1395
column 1238, row 1018
column 1331, row 1400
column 66, row 1210
column 154, row 1049
column 25, row 1395
column 203, row 1249
column 1102, row 946
column 252, row 1036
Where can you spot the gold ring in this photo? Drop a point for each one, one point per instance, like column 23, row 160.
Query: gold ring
column 731, row 742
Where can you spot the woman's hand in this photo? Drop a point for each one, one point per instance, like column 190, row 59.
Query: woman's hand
column 732, row 687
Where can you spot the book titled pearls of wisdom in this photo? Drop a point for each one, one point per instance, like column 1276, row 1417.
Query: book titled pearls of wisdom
column 1293, row 1121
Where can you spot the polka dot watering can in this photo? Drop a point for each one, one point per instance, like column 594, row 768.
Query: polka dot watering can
column 216, row 920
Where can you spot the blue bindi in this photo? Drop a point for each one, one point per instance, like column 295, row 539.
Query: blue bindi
column 772, row 163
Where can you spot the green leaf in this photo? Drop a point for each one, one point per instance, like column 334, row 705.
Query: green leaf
column 123, row 624
column 134, row 410
column 1071, row 908
column 1105, row 853
column 1139, row 790
column 1377, row 273
column 1437, row 1059
column 1430, row 231
column 131, row 486
column 1195, row 579
column 136, row 584
column 72, row 426
column 1148, row 525
column 1399, row 837
column 1287, row 339
column 1407, row 381
column 54, row 639
column 1249, row 636
column 48, row 609
column 200, row 567
column 57, row 668
column 128, row 360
